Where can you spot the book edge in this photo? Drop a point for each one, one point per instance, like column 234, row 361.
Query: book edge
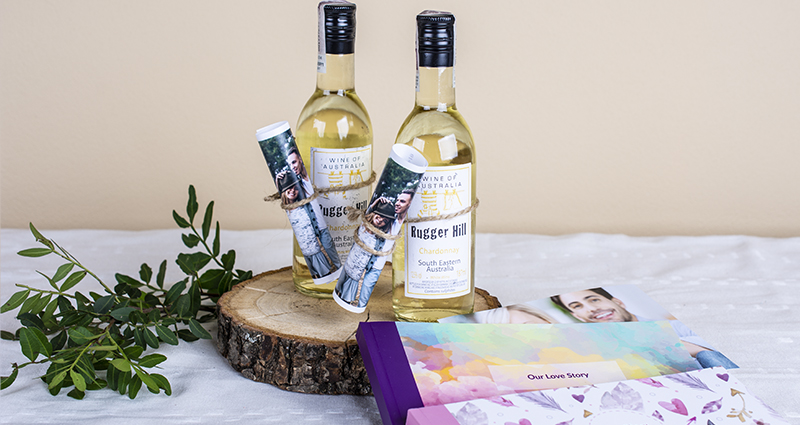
column 382, row 350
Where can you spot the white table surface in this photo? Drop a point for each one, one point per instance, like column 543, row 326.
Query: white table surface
column 740, row 293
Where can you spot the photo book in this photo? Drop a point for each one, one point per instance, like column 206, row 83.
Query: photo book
column 413, row 365
column 608, row 304
column 702, row 397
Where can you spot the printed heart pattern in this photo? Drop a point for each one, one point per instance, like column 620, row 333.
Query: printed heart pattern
column 723, row 376
column 675, row 406
column 579, row 397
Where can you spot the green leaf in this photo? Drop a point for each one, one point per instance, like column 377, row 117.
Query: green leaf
column 152, row 360
column 207, row 219
column 210, row 278
column 190, row 240
column 242, row 275
column 27, row 306
column 147, row 380
column 175, row 291
column 63, row 271
column 121, row 278
column 39, row 237
column 192, row 263
column 82, row 301
column 50, row 309
column 29, row 344
column 180, row 221
column 6, row 381
column 64, row 304
column 162, row 382
column 58, row 341
column 162, row 272
column 15, row 301
column 225, row 283
column 98, row 384
column 138, row 337
column 122, row 365
column 166, row 335
column 57, row 380
column 146, row 273
column 80, row 335
column 76, row 393
column 215, row 250
column 8, row 336
column 77, row 380
column 134, row 387
column 104, row 304
column 195, row 298
column 113, row 378
column 40, row 305
column 35, row 252
column 191, row 205
column 31, row 320
column 73, row 280
column 133, row 352
column 228, row 259
column 187, row 335
column 183, row 306
column 124, row 379
column 121, row 314
column 44, row 345
column 198, row 330
column 150, row 338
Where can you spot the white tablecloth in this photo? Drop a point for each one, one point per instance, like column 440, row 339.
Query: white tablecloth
column 740, row 293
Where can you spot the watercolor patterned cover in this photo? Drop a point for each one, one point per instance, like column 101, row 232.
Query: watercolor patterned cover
column 457, row 362
column 703, row 397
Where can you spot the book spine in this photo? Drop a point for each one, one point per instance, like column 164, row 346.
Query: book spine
column 389, row 373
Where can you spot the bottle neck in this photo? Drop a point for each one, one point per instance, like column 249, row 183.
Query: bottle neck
column 339, row 73
column 436, row 88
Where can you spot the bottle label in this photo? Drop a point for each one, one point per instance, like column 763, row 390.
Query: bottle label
column 341, row 167
column 438, row 253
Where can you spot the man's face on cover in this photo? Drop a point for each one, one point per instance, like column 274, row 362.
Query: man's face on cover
column 591, row 307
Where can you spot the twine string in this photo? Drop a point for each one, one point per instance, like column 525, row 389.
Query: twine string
column 354, row 214
column 318, row 191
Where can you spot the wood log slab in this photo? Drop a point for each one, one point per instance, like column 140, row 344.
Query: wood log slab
column 271, row 333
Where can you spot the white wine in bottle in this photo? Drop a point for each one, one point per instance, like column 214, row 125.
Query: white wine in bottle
column 334, row 136
column 433, row 264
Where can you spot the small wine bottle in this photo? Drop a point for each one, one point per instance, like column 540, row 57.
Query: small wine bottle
column 334, row 136
column 433, row 264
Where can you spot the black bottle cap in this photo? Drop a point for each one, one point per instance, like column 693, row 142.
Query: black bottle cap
column 340, row 28
column 436, row 39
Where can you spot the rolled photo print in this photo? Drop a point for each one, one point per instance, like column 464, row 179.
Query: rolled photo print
column 290, row 177
column 386, row 212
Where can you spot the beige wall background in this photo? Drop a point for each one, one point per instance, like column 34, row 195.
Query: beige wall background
column 643, row 118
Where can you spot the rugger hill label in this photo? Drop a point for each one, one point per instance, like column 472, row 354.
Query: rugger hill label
column 341, row 167
column 438, row 252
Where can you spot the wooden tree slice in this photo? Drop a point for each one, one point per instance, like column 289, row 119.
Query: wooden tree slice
column 271, row 333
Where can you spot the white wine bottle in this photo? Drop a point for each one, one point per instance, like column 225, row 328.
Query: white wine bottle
column 433, row 265
column 334, row 136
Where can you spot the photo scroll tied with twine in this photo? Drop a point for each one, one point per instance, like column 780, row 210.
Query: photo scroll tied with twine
column 380, row 225
column 298, row 198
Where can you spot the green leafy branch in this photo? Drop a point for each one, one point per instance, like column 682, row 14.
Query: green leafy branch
column 81, row 336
